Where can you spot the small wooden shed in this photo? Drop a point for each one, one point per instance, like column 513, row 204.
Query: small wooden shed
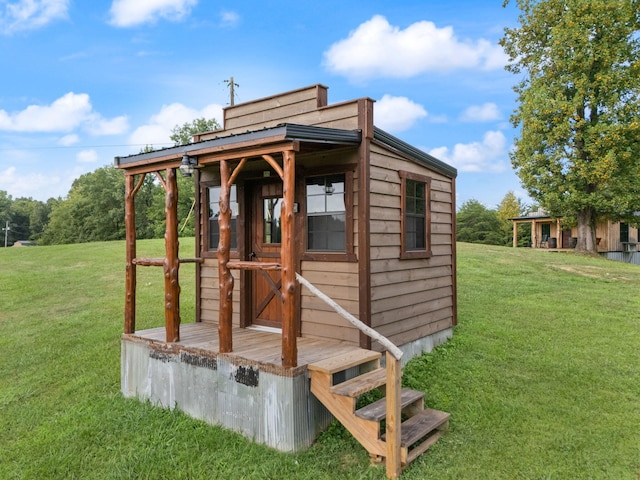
column 316, row 231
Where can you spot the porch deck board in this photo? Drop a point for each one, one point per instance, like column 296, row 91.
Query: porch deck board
column 255, row 347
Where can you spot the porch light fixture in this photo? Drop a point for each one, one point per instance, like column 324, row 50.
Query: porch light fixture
column 329, row 188
column 187, row 165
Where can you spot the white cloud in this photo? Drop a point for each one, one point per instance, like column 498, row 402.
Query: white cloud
column 229, row 19
column 158, row 130
column 65, row 114
column 378, row 49
column 486, row 112
column 30, row 14
column 102, row 126
column 69, row 140
column 87, row 156
column 30, row 184
column 397, row 113
column 486, row 156
column 128, row 13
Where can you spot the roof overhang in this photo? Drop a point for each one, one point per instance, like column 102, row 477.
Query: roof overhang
column 412, row 153
column 300, row 138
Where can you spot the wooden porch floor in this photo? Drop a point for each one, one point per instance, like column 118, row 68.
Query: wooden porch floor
column 250, row 347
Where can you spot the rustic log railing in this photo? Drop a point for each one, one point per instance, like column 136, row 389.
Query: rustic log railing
column 394, row 377
column 228, row 175
column 170, row 263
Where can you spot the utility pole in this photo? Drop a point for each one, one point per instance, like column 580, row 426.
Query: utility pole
column 232, row 93
column 6, row 233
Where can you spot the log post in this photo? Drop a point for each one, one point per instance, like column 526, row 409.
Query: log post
column 224, row 274
column 130, row 268
column 171, row 261
column 515, row 234
column 287, row 254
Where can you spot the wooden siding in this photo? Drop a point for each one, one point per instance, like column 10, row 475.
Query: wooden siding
column 307, row 106
column 338, row 280
column 410, row 298
column 210, row 293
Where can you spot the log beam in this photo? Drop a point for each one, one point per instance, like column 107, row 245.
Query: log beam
column 287, row 254
column 171, row 261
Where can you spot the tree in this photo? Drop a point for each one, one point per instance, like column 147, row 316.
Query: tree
column 477, row 224
column 511, row 207
column 93, row 210
column 578, row 152
column 183, row 135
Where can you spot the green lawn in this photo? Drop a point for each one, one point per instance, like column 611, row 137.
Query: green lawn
column 542, row 377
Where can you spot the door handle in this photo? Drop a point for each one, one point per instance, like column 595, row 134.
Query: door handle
column 252, row 255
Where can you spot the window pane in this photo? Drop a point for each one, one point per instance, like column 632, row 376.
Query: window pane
column 420, row 240
column 214, row 214
column 415, row 221
column 315, row 204
column 624, row 232
column 335, row 202
column 326, row 217
column 272, row 208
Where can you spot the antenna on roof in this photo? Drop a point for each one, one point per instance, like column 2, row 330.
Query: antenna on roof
column 232, row 93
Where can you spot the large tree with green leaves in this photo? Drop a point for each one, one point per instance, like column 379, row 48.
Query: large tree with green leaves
column 511, row 207
column 476, row 223
column 578, row 151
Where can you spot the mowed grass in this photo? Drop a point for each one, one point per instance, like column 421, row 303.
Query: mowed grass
column 542, row 377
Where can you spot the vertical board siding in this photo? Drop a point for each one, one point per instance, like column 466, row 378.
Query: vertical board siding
column 338, row 280
column 410, row 298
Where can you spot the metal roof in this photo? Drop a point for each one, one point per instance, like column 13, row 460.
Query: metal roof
column 307, row 134
column 414, row 153
column 282, row 132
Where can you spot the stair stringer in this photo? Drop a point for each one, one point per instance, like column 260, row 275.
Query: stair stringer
column 367, row 432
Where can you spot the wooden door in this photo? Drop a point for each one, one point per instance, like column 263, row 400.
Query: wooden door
column 266, row 296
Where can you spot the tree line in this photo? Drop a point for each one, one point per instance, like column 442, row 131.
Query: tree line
column 475, row 223
column 93, row 210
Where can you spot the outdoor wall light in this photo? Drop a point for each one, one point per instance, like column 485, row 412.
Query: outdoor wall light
column 187, row 165
column 329, row 188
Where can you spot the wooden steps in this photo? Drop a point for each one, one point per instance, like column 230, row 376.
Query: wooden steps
column 420, row 429
column 361, row 384
column 377, row 411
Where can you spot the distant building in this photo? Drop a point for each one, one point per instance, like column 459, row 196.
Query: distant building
column 24, row 243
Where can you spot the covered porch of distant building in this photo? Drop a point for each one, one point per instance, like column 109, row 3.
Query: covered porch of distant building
column 546, row 232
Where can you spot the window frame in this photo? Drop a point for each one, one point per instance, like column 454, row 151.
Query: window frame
column 426, row 180
column 624, row 232
column 328, row 256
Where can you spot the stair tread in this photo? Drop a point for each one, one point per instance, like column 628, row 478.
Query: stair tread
column 346, row 360
column 420, row 425
column 377, row 410
column 361, row 384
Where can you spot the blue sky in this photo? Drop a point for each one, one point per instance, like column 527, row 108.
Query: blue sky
column 85, row 81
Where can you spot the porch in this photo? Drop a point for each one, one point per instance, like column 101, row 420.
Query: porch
column 252, row 347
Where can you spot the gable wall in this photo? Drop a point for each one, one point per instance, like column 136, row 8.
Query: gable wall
column 410, row 298
column 307, row 106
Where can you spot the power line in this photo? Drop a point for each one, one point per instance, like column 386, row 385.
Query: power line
column 82, row 146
